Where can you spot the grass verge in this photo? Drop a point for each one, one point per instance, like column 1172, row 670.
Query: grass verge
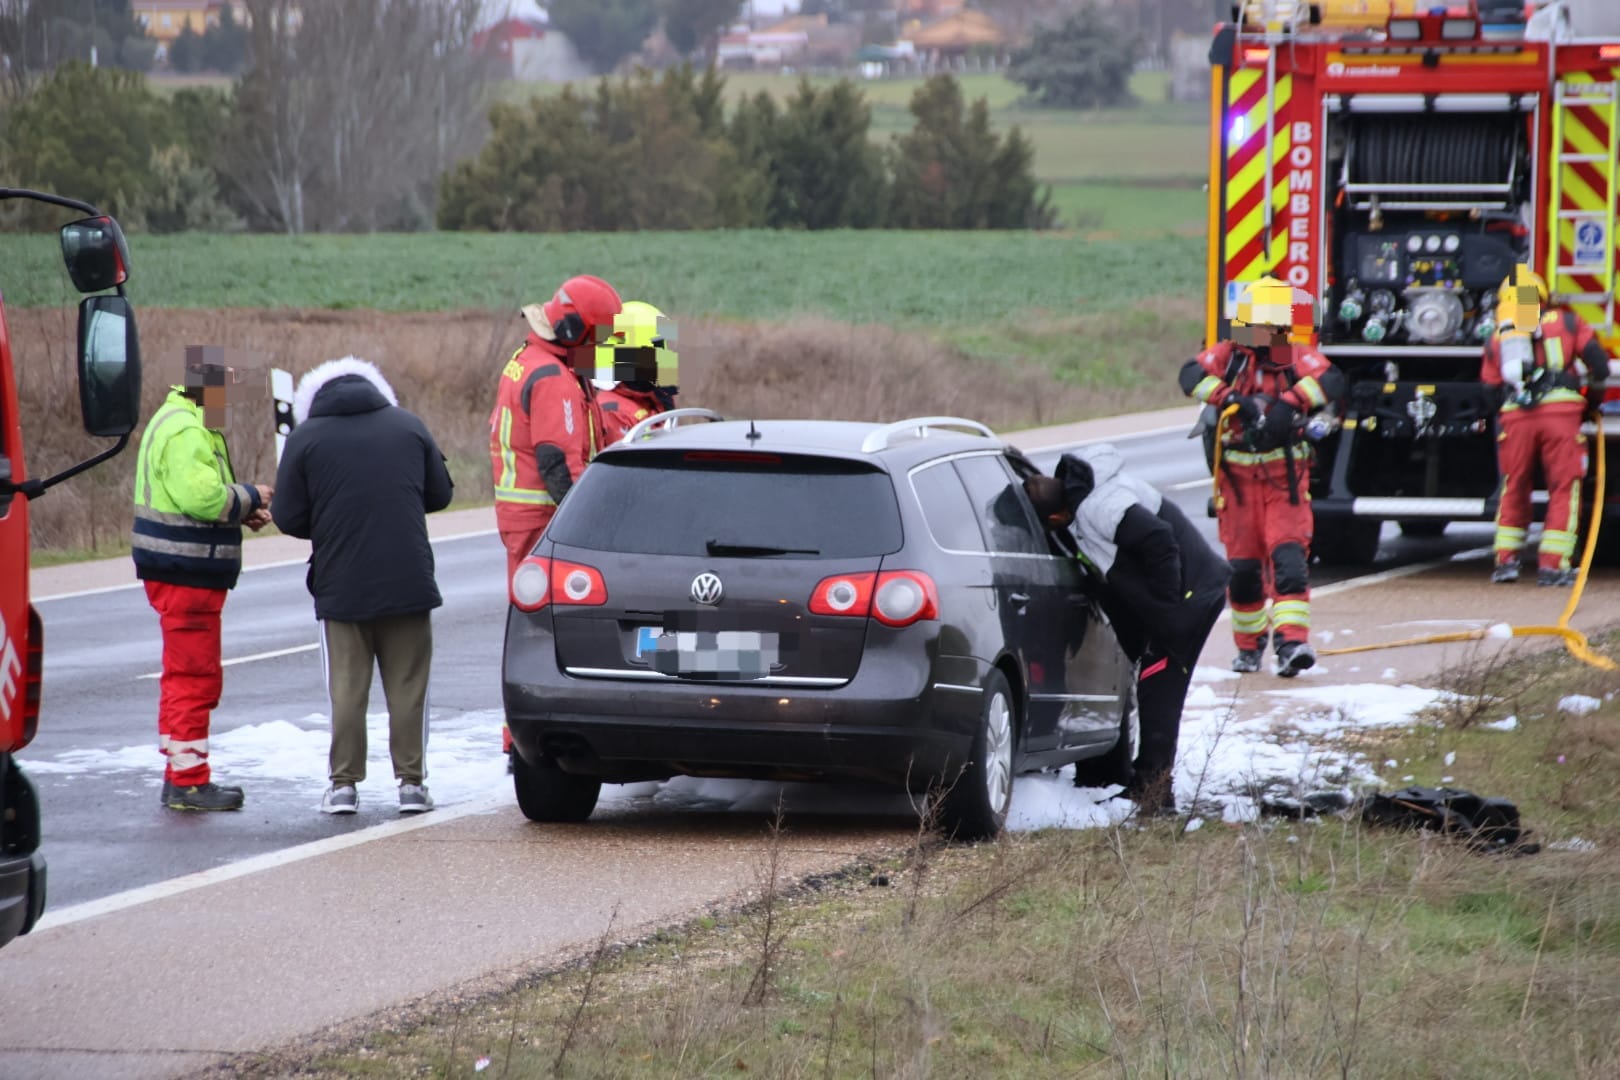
column 1270, row 949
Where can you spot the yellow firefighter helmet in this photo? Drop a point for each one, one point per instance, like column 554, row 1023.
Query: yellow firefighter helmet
column 1273, row 303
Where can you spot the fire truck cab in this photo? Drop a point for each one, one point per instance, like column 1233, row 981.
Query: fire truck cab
column 109, row 397
column 1396, row 160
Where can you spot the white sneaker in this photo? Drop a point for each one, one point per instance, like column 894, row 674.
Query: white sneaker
column 340, row 799
column 414, row 799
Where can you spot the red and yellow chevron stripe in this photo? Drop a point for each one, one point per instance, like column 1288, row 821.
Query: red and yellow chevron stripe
column 1247, row 256
column 1585, row 185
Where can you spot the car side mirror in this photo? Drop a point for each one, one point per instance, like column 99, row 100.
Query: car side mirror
column 96, row 254
column 109, row 366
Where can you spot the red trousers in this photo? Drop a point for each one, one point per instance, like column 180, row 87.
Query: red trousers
column 192, row 678
column 1267, row 538
column 1550, row 434
column 519, row 536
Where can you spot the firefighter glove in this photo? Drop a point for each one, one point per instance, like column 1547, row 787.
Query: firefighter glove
column 1279, row 422
column 1251, row 409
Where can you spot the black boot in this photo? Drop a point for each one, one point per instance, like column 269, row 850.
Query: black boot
column 208, row 796
column 1294, row 657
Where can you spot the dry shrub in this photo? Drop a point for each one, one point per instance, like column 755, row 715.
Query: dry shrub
column 443, row 366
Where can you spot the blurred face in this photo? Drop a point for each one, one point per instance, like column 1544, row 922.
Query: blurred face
column 221, row 379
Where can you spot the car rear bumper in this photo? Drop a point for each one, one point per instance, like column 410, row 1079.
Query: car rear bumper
column 898, row 730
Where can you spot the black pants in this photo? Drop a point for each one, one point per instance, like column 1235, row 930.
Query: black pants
column 1160, row 696
column 1161, row 693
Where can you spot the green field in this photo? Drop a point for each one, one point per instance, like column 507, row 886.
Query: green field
column 934, row 280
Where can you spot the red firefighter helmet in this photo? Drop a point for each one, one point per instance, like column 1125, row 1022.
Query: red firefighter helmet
column 575, row 311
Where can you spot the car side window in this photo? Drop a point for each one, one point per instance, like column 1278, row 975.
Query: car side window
column 946, row 508
column 1000, row 507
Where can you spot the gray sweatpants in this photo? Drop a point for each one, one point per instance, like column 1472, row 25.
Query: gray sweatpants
column 401, row 647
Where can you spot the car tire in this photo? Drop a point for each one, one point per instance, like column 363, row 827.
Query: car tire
column 546, row 793
column 976, row 803
column 1118, row 765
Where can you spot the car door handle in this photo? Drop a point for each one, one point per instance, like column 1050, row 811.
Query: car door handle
column 1018, row 599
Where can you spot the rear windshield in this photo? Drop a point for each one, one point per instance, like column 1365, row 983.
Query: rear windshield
column 753, row 505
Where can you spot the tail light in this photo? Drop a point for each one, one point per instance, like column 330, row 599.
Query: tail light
column 904, row 597
column 33, row 676
column 540, row 581
column 577, row 585
column 894, row 597
column 845, row 594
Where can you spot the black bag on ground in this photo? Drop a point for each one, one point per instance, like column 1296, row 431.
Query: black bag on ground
column 1488, row 825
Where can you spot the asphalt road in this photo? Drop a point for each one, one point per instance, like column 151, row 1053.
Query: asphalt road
column 95, row 760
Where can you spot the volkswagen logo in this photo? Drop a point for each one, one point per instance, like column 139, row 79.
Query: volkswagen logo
column 706, row 589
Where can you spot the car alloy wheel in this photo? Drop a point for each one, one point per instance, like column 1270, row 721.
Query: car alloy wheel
column 998, row 749
column 977, row 798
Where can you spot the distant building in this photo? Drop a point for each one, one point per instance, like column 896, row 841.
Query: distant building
column 165, row 19
column 529, row 50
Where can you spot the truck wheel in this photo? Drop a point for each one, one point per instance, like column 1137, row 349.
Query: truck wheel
column 975, row 807
column 1423, row 528
column 546, row 793
column 1348, row 541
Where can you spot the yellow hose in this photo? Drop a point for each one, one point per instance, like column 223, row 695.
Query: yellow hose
column 1575, row 641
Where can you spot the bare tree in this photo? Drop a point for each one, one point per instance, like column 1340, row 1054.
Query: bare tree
column 349, row 113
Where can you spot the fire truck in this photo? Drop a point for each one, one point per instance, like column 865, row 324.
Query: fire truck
column 97, row 259
column 1396, row 160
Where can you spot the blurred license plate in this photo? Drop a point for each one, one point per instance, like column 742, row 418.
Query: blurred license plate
column 713, row 654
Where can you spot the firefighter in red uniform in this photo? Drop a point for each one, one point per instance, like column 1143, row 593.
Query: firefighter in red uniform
column 635, row 369
column 1541, row 361
column 1263, row 481
column 546, row 426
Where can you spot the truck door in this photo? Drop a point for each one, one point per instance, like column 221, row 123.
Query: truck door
column 1580, row 256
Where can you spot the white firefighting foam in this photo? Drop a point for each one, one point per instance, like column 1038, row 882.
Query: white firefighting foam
column 1230, row 750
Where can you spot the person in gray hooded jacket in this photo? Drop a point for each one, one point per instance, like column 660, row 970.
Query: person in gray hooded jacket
column 1164, row 587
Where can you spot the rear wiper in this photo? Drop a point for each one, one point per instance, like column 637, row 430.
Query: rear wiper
column 718, row 547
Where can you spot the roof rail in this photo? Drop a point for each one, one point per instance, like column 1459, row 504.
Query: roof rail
column 644, row 428
column 917, row 427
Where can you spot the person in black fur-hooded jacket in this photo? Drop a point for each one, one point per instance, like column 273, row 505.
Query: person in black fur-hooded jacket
column 357, row 477
column 1164, row 588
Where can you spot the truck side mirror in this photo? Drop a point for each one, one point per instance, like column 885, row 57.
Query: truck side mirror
column 96, row 254
column 109, row 366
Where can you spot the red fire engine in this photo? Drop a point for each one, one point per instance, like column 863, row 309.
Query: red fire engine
column 109, row 396
column 1397, row 165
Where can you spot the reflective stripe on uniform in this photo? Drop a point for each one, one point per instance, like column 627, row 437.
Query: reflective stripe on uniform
column 1312, row 391
column 184, row 548
column 508, row 462
column 525, row 496
column 186, row 753
column 1291, row 613
column 1206, row 386
column 1248, row 457
column 1250, row 622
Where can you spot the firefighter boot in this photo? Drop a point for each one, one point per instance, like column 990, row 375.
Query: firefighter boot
column 1247, row 661
column 1551, row 575
column 1294, row 657
column 208, row 796
column 1506, row 573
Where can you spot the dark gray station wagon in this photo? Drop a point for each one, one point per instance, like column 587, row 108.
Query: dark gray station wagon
column 808, row 600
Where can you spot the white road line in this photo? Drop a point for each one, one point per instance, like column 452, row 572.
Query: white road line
column 246, row 569
column 271, row 655
column 161, row 890
column 1188, row 485
column 1047, row 448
